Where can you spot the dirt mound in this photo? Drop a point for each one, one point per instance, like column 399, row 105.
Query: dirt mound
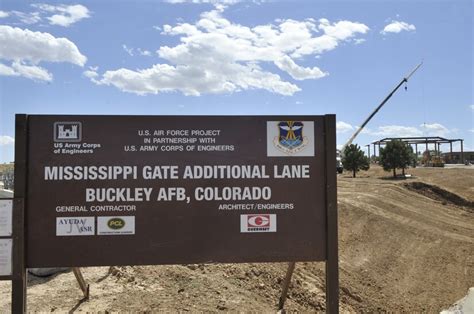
column 401, row 251
column 439, row 194
column 178, row 288
column 211, row 287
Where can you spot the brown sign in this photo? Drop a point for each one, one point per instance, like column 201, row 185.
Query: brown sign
column 137, row 190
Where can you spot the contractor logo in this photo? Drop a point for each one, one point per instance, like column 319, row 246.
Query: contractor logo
column 75, row 226
column 113, row 225
column 258, row 223
column 67, row 131
column 116, row 223
column 290, row 138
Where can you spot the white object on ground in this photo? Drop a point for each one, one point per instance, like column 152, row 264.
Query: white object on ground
column 463, row 306
column 45, row 272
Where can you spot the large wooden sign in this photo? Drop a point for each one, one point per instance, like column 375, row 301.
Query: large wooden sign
column 131, row 190
column 144, row 190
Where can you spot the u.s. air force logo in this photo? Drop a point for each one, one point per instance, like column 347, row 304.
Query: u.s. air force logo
column 290, row 138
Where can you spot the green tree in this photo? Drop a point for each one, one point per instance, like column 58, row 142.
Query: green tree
column 396, row 154
column 408, row 157
column 354, row 159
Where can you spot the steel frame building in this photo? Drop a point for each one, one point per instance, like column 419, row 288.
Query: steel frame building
column 421, row 140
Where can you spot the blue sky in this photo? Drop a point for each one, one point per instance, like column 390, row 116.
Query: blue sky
column 206, row 57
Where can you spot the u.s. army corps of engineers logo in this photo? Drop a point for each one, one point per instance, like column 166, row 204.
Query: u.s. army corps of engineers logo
column 67, row 131
column 290, row 138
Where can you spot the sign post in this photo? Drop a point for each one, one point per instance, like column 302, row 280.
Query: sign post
column 21, row 169
column 332, row 260
column 147, row 190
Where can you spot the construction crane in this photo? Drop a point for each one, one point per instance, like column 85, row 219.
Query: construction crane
column 404, row 80
column 291, row 265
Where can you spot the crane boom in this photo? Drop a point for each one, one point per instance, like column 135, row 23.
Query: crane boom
column 405, row 79
column 291, row 266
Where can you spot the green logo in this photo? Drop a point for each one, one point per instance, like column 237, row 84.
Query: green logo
column 116, row 223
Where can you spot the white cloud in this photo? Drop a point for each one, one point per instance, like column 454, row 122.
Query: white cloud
column 65, row 15
column 6, row 140
column 359, row 41
column 204, row 1
column 342, row 30
column 297, row 72
column 144, row 52
column 25, row 49
column 472, row 107
column 433, row 129
column 128, row 50
column 333, row 35
column 28, row 71
column 6, row 70
column 218, row 56
column 92, row 74
column 396, row 131
column 215, row 2
column 343, row 127
column 23, row 44
column 132, row 51
column 220, row 5
column 27, row 18
column 195, row 81
column 397, row 27
column 32, row 72
column 61, row 15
